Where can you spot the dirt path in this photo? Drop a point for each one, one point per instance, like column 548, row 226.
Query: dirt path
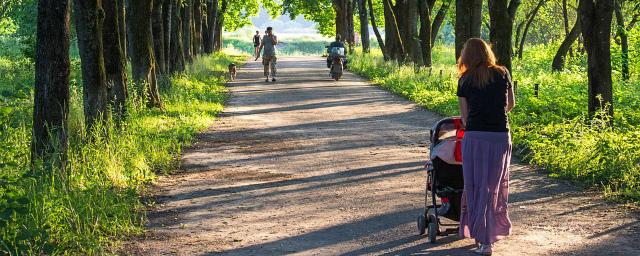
column 307, row 166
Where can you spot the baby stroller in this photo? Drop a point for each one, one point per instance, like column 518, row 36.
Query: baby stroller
column 444, row 179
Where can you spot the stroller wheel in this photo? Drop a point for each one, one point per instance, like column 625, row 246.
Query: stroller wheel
column 433, row 229
column 422, row 224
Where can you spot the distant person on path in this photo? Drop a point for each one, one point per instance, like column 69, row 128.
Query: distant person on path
column 256, row 44
column 485, row 95
column 268, row 44
column 337, row 43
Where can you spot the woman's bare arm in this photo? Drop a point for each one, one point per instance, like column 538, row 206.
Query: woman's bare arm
column 511, row 99
column 464, row 110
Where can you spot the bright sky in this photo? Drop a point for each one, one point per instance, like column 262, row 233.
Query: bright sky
column 282, row 26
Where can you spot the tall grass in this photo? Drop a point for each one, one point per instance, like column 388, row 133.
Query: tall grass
column 552, row 130
column 95, row 202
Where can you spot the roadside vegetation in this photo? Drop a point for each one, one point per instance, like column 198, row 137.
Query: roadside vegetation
column 553, row 130
column 96, row 200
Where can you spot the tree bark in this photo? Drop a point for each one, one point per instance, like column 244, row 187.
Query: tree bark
column 177, row 53
column 408, row 18
column 187, row 19
column 376, row 31
column 88, row 17
column 565, row 47
column 351, row 33
column 565, row 19
column 114, row 59
column 624, row 41
column 51, row 95
column 393, row 39
column 167, row 14
column 142, row 58
column 501, row 17
column 122, row 28
column 209, row 34
column 197, row 18
column 158, row 36
column 437, row 21
column 364, row 26
column 527, row 25
column 342, row 26
column 424, row 10
column 217, row 45
column 595, row 21
column 468, row 22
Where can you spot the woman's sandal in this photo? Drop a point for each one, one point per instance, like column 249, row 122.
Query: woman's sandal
column 484, row 249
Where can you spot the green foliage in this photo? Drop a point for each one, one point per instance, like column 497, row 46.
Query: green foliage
column 95, row 201
column 239, row 13
column 320, row 11
column 552, row 130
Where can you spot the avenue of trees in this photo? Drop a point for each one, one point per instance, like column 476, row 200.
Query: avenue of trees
column 159, row 37
column 411, row 27
column 155, row 37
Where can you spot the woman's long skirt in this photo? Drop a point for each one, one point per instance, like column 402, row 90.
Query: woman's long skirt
column 485, row 163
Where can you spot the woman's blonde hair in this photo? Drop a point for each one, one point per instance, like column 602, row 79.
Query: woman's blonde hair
column 478, row 62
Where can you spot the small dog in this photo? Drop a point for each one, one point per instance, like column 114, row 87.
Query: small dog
column 232, row 71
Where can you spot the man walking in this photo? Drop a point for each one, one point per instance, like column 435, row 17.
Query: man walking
column 268, row 44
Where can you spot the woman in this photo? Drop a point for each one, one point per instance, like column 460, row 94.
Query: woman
column 485, row 95
column 256, row 44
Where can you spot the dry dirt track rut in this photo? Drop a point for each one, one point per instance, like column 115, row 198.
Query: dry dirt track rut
column 308, row 166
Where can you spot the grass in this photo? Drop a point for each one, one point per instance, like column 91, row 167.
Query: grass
column 94, row 203
column 551, row 131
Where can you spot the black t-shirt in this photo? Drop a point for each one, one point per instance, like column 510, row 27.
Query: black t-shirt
column 487, row 106
column 256, row 40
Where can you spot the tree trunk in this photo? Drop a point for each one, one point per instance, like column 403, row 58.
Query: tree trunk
column 468, row 22
column 177, row 53
column 88, row 16
column 565, row 47
column 376, row 31
column 197, row 18
column 217, row 44
column 424, row 10
column 158, row 36
column 114, row 59
column 122, row 28
column 167, row 14
column 565, row 18
column 437, row 21
column 624, row 41
column 595, row 21
column 51, row 96
column 209, row 34
column 527, row 25
column 407, row 18
column 142, row 59
column 342, row 26
column 501, row 15
column 187, row 19
column 351, row 33
column 364, row 25
column 393, row 39
column 516, row 42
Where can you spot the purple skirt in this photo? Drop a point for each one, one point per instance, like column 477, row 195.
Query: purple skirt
column 486, row 157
